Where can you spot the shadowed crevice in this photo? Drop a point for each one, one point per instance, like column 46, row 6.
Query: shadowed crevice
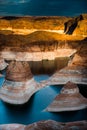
column 71, row 25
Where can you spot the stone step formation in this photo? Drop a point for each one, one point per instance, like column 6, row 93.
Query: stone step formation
column 69, row 99
column 19, row 83
column 76, row 74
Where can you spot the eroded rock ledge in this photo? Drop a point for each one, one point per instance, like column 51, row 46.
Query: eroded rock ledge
column 19, row 83
column 76, row 74
column 37, row 56
column 69, row 99
column 47, row 125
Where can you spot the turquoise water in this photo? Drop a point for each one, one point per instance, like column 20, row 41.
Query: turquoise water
column 43, row 7
column 34, row 110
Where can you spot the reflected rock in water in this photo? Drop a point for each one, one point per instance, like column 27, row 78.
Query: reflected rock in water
column 19, row 83
column 47, row 125
column 68, row 100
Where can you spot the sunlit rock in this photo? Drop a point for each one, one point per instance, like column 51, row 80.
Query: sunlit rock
column 69, row 99
column 19, row 83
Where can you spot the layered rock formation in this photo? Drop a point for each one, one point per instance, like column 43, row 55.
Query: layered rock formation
column 19, row 83
column 40, row 42
column 76, row 74
column 69, row 99
column 76, row 71
column 47, row 125
column 37, row 46
column 3, row 64
column 18, row 71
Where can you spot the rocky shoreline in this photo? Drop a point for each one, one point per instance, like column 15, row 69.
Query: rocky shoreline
column 47, row 125
column 76, row 74
column 19, row 84
column 69, row 99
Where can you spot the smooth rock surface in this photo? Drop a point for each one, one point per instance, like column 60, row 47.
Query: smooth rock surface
column 19, row 83
column 69, row 99
column 47, row 125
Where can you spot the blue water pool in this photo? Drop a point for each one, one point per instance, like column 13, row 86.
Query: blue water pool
column 34, row 110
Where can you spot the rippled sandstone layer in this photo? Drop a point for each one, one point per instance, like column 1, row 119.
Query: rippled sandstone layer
column 19, row 84
column 69, row 99
column 76, row 74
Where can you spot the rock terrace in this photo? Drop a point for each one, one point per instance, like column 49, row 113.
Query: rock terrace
column 69, row 99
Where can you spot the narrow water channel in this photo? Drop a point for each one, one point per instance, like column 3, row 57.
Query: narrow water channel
column 34, row 110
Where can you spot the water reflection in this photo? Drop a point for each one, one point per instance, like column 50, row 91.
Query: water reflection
column 48, row 67
column 34, row 110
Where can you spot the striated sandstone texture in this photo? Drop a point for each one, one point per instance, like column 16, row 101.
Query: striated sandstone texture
column 76, row 71
column 47, row 125
column 18, row 71
column 40, row 42
column 19, row 83
column 69, row 99
column 3, row 64
column 76, row 74
column 37, row 46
